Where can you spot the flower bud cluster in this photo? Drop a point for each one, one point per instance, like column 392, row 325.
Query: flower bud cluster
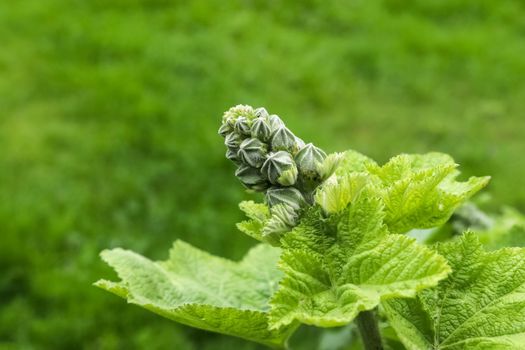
column 270, row 158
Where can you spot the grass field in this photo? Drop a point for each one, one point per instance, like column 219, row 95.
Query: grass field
column 109, row 112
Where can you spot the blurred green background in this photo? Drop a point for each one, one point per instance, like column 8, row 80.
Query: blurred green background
column 109, row 112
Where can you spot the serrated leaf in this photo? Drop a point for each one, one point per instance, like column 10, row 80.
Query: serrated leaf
column 481, row 305
column 203, row 291
column 336, row 267
column 420, row 191
column 340, row 190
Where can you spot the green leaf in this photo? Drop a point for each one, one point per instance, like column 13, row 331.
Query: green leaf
column 203, row 291
column 258, row 213
column 480, row 306
column 338, row 191
column 267, row 225
column 420, row 191
column 339, row 265
column 329, row 165
column 354, row 162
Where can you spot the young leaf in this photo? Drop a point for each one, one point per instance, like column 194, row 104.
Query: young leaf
column 480, row 306
column 340, row 190
column 336, row 267
column 353, row 162
column 258, row 214
column 203, row 291
column 420, row 191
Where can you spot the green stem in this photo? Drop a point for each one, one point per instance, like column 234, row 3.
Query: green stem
column 367, row 323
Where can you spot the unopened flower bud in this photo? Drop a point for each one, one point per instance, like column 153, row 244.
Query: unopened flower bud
column 233, row 140
column 251, row 178
column 261, row 129
column 230, row 120
column 261, row 113
column 225, row 129
column 276, row 165
column 308, row 160
column 232, row 154
column 269, row 154
column 260, row 187
column 235, row 112
column 283, row 140
column 242, row 126
column 275, row 122
column 252, row 152
column 285, row 195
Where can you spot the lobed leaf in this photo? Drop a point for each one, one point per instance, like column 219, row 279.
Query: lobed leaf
column 420, row 191
column 339, row 265
column 481, row 305
column 203, row 291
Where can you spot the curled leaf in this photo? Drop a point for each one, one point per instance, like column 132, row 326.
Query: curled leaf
column 203, row 291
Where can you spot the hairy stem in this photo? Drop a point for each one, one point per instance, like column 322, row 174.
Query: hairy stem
column 369, row 330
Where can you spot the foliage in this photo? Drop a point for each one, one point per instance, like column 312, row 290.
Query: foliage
column 105, row 131
column 341, row 255
column 336, row 267
column 479, row 306
column 203, row 291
